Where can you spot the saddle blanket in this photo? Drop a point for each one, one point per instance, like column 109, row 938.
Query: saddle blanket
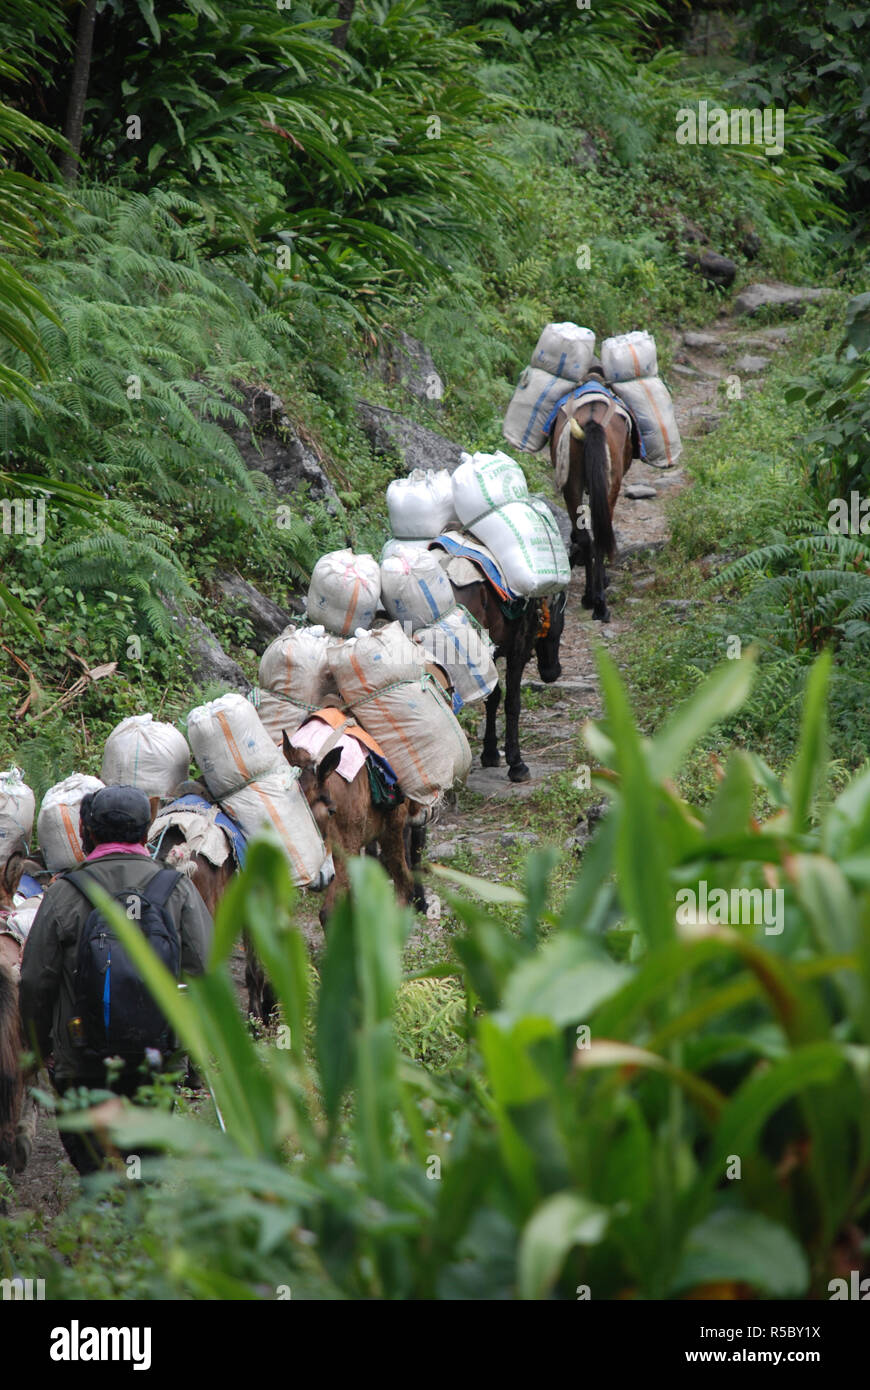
column 595, row 391
column 311, row 737
column 206, row 827
column 335, row 718
column 457, row 543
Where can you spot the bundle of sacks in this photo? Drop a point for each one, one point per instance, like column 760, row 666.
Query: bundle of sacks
column 58, row 823
column 492, row 501
column 383, row 680
column 561, row 359
column 631, row 367
column 294, row 679
column 416, row 592
column 141, row 752
column 17, row 805
column 345, row 592
column 420, row 508
column 245, row 772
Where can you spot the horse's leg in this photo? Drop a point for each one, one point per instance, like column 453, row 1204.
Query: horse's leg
column 393, row 857
column 600, row 611
column 581, row 554
column 490, row 757
column 517, row 770
column 416, row 844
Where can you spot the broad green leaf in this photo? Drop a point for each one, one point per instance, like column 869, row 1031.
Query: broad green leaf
column 721, row 695
column 564, row 981
column 733, row 1246
column 642, row 870
column 730, row 810
column 560, row 1223
column 481, row 887
column 809, row 762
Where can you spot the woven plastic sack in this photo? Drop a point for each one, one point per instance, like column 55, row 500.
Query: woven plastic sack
column 345, row 591
column 382, row 677
column 460, row 645
column 565, row 350
column 294, row 679
column 629, row 355
column 651, row 402
column 58, row 824
column 492, row 502
column 230, row 744
column 414, row 588
column 17, row 805
column 275, row 800
column 536, row 394
column 141, row 752
column 421, row 505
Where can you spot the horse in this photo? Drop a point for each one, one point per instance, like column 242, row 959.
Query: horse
column 536, row 626
column 593, row 457
column 18, row 1112
column 356, row 824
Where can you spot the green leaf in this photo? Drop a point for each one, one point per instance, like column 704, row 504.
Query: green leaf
column 743, row 1247
column 559, row 1224
column 809, row 762
column 481, row 887
column 721, row 695
column 564, row 981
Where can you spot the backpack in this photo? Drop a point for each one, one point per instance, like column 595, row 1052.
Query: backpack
column 119, row 1018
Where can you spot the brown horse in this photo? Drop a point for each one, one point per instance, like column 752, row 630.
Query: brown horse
column 536, row 627
column 356, row 824
column 592, row 459
column 17, row 1113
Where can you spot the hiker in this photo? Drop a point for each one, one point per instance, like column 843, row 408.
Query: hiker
column 81, row 998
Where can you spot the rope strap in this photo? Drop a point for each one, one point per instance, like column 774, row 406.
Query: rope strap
column 255, row 696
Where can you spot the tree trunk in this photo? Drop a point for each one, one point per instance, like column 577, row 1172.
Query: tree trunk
column 75, row 111
column 345, row 14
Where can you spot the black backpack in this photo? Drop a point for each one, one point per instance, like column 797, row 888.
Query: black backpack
column 118, row 1016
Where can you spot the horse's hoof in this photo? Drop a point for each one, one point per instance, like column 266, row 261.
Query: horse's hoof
column 586, row 601
column 490, row 759
column 519, row 773
column 21, row 1153
column 601, row 615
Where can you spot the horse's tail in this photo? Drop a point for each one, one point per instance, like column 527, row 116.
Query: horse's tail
column 11, row 1078
column 596, row 465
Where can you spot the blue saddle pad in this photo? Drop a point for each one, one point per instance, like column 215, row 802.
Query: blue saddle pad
column 223, row 819
column 469, row 552
column 600, row 390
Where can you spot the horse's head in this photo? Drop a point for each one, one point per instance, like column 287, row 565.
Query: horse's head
column 312, row 781
column 552, row 622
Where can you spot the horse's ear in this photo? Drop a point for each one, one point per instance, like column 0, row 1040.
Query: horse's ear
column 328, row 765
column 288, row 746
column 12, row 871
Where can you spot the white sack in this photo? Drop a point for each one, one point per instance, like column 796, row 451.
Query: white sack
column 230, row 744
column 294, row 679
column 565, row 350
column 344, row 592
column 382, row 677
column 460, row 645
column 651, row 402
column 394, row 546
column 629, row 355
column 17, row 804
column 536, row 394
column 275, row 800
column 421, row 505
column 492, row 502
column 141, row 752
column 58, row 824
column 414, row 588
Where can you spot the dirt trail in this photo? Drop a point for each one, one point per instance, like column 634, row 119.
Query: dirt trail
column 551, row 718
column 549, row 724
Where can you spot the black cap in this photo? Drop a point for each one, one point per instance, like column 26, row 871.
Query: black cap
column 116, row 813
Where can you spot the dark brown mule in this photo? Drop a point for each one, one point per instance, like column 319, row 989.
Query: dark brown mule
column 537, row 628
column 600, row 452
column 17, row 1116
column 355, row 824
column 210, row 881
